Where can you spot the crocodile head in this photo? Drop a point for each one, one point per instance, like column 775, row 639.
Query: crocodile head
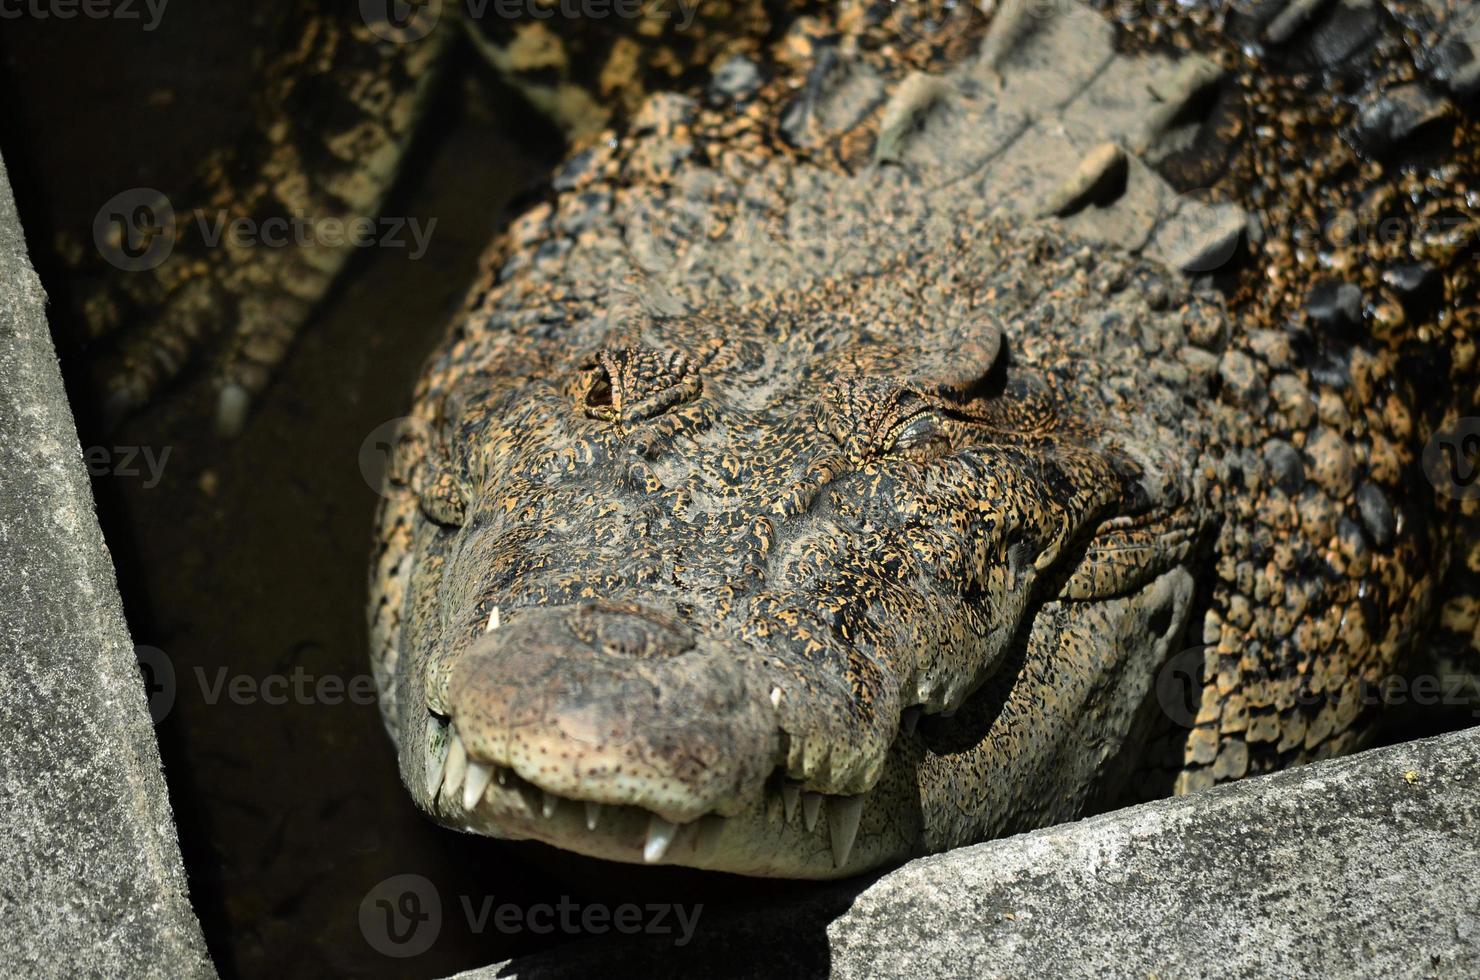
column 791, row 587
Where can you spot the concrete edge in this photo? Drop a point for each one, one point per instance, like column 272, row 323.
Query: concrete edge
column 1359, row 866
column 91, row 878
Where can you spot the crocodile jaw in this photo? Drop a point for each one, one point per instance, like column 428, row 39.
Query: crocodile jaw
column 780, row 832
column 1086, row 672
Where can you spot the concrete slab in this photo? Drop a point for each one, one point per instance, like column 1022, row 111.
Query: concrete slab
column 91, row 882
column 1363, row 866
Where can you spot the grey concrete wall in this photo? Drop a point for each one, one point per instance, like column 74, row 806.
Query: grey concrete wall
column 91, row 882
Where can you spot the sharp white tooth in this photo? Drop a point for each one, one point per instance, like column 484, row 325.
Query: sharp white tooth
column 811, row 802
column 909, row 719
column 494, row 620
column 843, row 814
column 659, row 836
column 479, row 776
column 502, row 775
column 436, row 759
column 790, row 794
column 456, row 767
column 775, row 697
column 593, row 815
column 549, row 803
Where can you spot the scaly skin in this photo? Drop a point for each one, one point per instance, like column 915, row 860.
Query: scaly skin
column 779, row 424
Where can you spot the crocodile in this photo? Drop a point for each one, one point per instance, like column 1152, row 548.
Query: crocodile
column 836, row 471
column 865, row 434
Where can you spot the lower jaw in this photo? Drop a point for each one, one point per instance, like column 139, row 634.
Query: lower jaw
column 777, row 836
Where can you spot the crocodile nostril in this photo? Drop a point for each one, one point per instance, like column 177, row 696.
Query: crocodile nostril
column 625, row 630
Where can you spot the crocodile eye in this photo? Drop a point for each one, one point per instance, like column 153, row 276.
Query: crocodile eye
column 914, row 432
column 629, row 384
column 598, row 400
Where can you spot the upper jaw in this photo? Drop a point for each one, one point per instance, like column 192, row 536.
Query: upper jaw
column 674, row 745
column 619, row 705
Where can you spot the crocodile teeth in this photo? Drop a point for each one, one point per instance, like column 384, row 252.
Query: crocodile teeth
column 811, row 803
column 775, row 697
column 659, row 836
column 549, row 803
column 593, row 814
column 479, row 776
column 495, row 620
column 909, row 719
column 843, row 815
column 790, row 794
column 456, row 766
column 502, row 775
column 437, row 760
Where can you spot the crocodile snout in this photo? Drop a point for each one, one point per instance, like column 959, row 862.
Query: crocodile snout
column 628, row 630
column 616, row 704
